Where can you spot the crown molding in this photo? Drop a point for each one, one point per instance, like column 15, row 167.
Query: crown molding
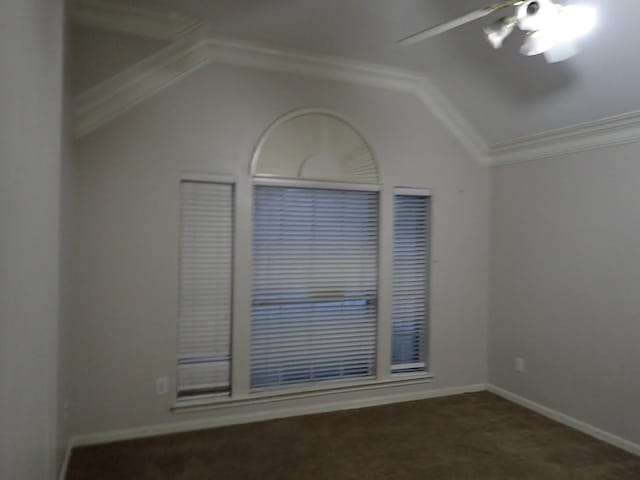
column 606, row 132
column 115, row 96
column 161, row 24
column 120, row 93
column 438, row 104
column 352, row 71
column 193, row 47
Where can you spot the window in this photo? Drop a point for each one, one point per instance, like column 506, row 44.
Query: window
column 206, row 252
column 309, row 307
column 411, row 258
column 314, row 301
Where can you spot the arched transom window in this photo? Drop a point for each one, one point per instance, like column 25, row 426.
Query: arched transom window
column 315, row 145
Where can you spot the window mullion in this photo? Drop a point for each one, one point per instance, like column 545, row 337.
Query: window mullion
column 241, row 331
column 385, row 284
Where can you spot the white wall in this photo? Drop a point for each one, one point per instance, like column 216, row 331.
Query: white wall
column 566, row 284
column 126, row 265
column 31, row 50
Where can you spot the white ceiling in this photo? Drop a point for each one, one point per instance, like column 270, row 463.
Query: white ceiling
column 503, row 94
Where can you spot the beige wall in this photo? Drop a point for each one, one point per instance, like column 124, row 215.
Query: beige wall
column 67, row 225
column 31, row 50
column 126, row 265
column 566, row 283
column 99, row 54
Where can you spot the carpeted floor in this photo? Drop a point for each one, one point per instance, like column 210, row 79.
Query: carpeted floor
column 475, row 436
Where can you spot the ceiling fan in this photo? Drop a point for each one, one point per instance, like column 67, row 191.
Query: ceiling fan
column 550, row 28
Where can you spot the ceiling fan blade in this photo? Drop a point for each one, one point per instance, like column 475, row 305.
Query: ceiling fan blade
column 458, row 22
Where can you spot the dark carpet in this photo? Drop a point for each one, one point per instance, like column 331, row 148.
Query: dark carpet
column 475, row 436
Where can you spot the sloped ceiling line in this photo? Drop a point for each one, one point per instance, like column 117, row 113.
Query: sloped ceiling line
column 120, row 93
column 194, row 47
column 602, row 133
column 115, row 96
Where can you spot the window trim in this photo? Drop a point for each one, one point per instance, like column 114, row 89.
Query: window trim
column 189, row 176
column 410, row 191
column 269, row 181
column 214, row 403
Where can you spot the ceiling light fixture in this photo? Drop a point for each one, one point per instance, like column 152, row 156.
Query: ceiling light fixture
column 551, row 29
column 575, row 21
column 537, row 43
column 560, row 52
column 499, row 30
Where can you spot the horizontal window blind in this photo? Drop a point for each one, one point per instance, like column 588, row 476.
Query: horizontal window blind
column 411, row 259
column 206, row 253
column 314, row 300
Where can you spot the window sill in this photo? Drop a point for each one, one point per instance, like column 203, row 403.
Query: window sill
column 213, row 403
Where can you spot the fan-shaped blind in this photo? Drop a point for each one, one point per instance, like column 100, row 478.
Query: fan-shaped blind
column 315, row 146
column 411, row 258
column 204, row 326
column 314, row 297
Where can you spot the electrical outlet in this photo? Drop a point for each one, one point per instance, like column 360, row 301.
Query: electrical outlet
column 162, row 385
column 519, row 365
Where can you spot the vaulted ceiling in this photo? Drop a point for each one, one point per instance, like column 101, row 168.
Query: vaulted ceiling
column 502, row 94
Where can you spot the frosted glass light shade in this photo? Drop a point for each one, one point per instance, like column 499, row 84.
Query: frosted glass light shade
column 537, row 43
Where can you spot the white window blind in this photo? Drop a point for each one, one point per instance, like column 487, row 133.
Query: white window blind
column 314, row 301
column 206, row 253
column 411, row 259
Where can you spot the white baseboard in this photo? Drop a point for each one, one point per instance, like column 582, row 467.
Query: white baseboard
column 275, row 413
column 572, row 422
column 270, row 414
column 65, row 461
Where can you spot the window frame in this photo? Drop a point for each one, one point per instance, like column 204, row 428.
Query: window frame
column 211, row 178
column 425, row 193
column 240, row 392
